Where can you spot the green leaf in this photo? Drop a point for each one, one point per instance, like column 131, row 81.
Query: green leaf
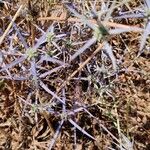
column 31, row 53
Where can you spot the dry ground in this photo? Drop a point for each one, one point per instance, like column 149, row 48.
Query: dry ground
column 55, row 96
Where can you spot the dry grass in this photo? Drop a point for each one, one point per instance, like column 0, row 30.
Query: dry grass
column 74, row 75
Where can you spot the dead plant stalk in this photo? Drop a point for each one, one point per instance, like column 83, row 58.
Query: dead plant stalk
column 10, row 25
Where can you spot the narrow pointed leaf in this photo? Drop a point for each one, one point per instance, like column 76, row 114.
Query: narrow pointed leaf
column 127, row 144
column 50, row 92
column 109, row 51
column 79, row 128
column 83, row 18
column 55, row 135
column 129, row 16
column 144, row 37
column 43, row 75
column 20, row 36
column 148, row 3
column 42, row 39
column 8, row 66
column 82, row 49
column 53, row 60
column 123, row 30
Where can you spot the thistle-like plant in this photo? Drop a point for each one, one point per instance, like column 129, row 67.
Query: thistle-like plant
column 31, row 53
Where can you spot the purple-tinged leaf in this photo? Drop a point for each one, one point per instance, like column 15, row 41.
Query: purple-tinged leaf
column 8, row 72
column 33, row 69
column 102, row 126
column 34, row 72
column 109, row 51
column 129, row 16
column 43, row 75
column 8, row 66
column 60, row 36
column 144, row 37
column 26, row 102
column 53, row 60
column 147, row 3
column 82, row 49
column 55, row 44
column 20, row 36
column 50, row 92
column 64, row 100
column 79, row 128
column 1, row 58
column 127, row 144
column 75, row 111
column 111, row 148
column 55, row 135
column 120, row 30
column 112, row 7
column 42, row 39
column 83, row 18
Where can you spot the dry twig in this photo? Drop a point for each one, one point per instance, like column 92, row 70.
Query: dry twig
column 10, row 25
